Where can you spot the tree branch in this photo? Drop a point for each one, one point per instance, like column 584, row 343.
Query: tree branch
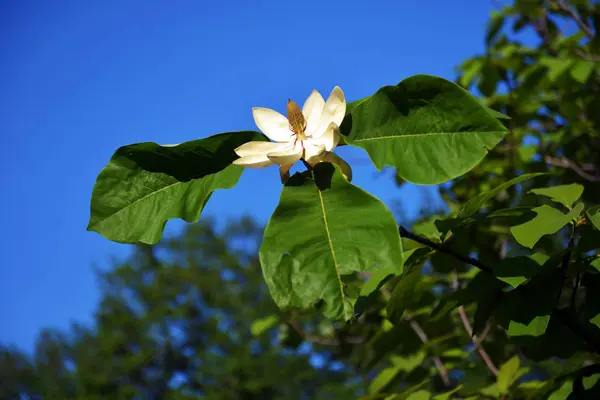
column 476, row 341
column 443, row 249
column 442, row 371
column 562, row 314
column 564, row 162
column 582, row 25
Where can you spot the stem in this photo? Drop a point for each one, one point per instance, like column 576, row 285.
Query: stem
column 442, row 371
column 564, row 316
column 443, row 249
column 477, row 342
column 582, row 25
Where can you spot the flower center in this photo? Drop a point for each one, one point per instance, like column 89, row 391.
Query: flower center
column 296, row 120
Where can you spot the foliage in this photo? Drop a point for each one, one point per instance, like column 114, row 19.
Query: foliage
column 495, row 295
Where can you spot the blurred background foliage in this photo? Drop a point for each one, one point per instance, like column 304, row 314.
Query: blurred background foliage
column 192, row 318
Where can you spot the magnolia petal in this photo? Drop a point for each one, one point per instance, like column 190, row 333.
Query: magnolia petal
column 284, row 172
column 334, row 109
column 254, row 161
column 252, row 148
column 312, row 109
column 272, row 124
column 330, row 138
column 286, row 156
column 312, row 149
column 337, row 160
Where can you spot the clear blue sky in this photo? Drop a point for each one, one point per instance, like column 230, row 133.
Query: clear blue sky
column 80, row 78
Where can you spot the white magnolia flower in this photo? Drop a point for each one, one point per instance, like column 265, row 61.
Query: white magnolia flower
column 311, row 134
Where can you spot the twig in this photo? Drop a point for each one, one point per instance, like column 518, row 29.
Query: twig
column 477, row 342
column 442, row 371
column 586, row 56
column 564, row 162
column 442, row 249
column 562, row 314
column 582, row 25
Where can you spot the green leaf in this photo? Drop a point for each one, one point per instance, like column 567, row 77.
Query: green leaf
column 324, row 228
column 493, row 28
column 563, row 194
column 548, row 221
column 429, row 128
column 470, row 71
column 420, row 395
column 529, row 307
column 447, row 395
column 563, row 392
column 594, row 216
column 581, row 70
column 409, row 363
column 476, row 203
column 596, row 320
column 146, row 184
column 379, row 276
column 508, row 374
column 402, row 295
column 262, row 325
column 596, row 264
column 516, row 270
column 496, row 114
column 556, row 66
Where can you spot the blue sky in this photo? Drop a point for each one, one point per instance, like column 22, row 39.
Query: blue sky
column 80, row 78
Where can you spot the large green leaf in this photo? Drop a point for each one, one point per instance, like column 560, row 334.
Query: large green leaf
column 323, row 228
column 563, row 194
column 146, row 184
column 548, row 220
column 429, row 128
column 476, row 203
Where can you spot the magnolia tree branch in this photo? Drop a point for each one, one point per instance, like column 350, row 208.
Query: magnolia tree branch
column 476, row 341
column 566, row 163
column 442, row 371
column 569, row 320
column 573, row 14
column 444, row 249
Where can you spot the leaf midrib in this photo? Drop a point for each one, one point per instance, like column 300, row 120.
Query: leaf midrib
column 330, row 242
column 425, row 134
column 137, row 201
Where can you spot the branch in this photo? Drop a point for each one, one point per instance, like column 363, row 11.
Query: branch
column 563, row 315
column 586, row 56
column 564, row 162
column 443, row 249
column 442, row 371
column 582, row 25
column 477, row 342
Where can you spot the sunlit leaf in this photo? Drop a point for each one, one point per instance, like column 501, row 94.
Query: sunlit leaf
column 262, row 325
column 508, row 374
column 146, row 184
column 324, row 228
column 563, row 194
column 429, row 128
column 548, row 221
